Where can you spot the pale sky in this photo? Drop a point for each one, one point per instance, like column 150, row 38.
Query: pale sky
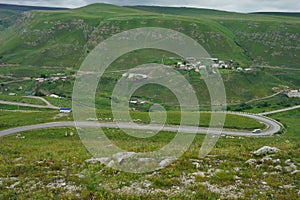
column 229, row 5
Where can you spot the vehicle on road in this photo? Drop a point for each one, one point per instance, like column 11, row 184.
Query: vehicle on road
column 256, row 131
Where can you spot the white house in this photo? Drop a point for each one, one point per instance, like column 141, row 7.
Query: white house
column 65, row 110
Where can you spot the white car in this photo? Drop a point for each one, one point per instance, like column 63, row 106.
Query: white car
column 256, row 131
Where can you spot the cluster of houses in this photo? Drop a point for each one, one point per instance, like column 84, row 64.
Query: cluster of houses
column 137, row 102
column 293, row 93
column 53, row 78
column 214, row 63
column 135, row 76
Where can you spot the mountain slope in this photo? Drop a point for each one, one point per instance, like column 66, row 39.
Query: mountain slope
column 267, row 39
column 64, row 37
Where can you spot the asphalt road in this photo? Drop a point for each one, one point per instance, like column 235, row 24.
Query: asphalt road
column 272, row 127
column 28, row 105
column 281, row 110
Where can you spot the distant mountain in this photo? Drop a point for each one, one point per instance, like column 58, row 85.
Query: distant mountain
column 27, row 8
column 287, row 14
column 63, row 37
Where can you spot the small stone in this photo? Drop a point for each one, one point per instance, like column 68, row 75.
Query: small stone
column 166, row 162
column 266, row 159
column 266, row 150
column 18, row 159
column 196, row 164
column 111, row 163
column 276, row 161
column 20, row 165
column 122, row 156
column 264, row 183
column 199, row 173
column 295, row 172
column 251, row 162
column 293, row 166
column 237, row 169
column 265, row 173
column 288, row 168
column 278, row 167
column 97, row 160
column 288, row 186
column 288, row 162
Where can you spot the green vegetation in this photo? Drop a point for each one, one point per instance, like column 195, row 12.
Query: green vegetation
column 21, row 99
column 50, row 164
column 10, row 119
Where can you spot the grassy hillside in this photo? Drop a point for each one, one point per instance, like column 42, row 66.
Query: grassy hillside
column 8, row 18
column 267, row 39
column 65, row 37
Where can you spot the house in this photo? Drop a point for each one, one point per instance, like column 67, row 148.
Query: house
column 240, row 69
column 133, row 102
column 294, row 93
column 65, row 110
column 28, row 92
column 249, row 70
column 203, row 67
column 40, row 80
column 12, row 94
column 54, row 96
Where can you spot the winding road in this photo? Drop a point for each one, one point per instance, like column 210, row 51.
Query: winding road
column 280, row 110
column 272, row 127
column 48, row 104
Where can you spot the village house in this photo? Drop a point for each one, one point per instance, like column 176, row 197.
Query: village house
column 65, row 110
column 293, row 93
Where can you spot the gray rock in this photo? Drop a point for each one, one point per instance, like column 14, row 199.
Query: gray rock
column 293, row 166
column 266, row 173
column 288, row 162
column 18, row 159
column 199, row 173
column 111, row 163
column 166, row 162
column 288, row 186
column 288, row 168
column 145, row 160
column 278, row 167
column 98, row 160
column 266, row 159
column 295, row 172
column 266, row 150
column 122, row 156
column 276, row 161
column 20, row 165
column 196, row 164
column 251, row 161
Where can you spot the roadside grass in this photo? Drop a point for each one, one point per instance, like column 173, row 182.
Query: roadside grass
column 21, row 99
column 5, row 107
column 174, row 118
column 53, row 167
column 10, row 119
column 275, row 103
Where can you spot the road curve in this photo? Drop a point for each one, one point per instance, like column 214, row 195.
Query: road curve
column 272, row 127
column 28, row 105
column 280, row 110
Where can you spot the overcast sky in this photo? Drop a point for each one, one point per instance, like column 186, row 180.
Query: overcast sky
column 229, row 5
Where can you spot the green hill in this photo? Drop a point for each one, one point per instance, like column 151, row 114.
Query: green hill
column 63, row 38
column 267, row 39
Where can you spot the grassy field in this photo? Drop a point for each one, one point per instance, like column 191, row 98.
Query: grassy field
column 245, row 38
column 49, row 164
column 21, row 99
column 14, row 119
